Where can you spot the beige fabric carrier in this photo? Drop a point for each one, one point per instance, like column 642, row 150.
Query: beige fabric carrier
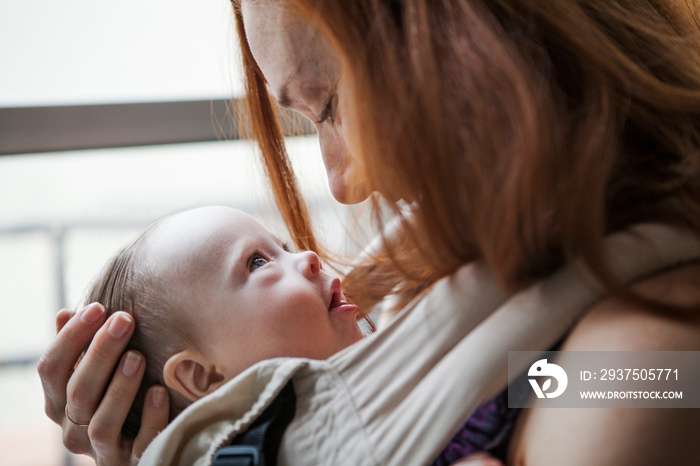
column 398, row 396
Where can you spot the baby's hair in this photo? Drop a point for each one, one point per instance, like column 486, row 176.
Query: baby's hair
column 127, row 284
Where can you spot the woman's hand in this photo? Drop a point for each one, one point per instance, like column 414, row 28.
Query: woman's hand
column 87, row 397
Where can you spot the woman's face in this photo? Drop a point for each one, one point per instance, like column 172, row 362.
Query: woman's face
column 303, row 75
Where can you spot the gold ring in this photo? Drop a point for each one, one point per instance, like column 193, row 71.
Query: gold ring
column 71, row 420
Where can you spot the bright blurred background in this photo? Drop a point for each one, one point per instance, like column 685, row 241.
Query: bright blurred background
column 62, row 214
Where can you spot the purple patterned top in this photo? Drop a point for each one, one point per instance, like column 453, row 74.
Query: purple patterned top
column 488, row 430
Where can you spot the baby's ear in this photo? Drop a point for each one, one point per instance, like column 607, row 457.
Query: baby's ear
column 191, row 374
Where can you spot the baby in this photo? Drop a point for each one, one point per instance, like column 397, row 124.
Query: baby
column 212, row 293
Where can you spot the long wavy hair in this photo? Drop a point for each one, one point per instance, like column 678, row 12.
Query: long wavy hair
column 521, row 131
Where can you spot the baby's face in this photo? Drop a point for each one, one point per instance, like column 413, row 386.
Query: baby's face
column 247, row 298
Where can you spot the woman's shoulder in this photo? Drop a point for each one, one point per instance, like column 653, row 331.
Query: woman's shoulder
column 623, row 436
column 613, row 325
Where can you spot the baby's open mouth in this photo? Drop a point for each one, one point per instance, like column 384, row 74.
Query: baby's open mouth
column 338, row 302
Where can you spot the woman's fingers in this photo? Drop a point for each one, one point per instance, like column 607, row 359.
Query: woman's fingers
column 56, row 364
column 62, row 318
column 86, row 386
column 106, row 424
column 156, row 412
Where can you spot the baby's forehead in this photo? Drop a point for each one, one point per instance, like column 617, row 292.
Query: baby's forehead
column 199, row 236
column 209, row 221
column 211, row 214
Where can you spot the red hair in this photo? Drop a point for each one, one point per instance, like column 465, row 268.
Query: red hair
column 522, row 132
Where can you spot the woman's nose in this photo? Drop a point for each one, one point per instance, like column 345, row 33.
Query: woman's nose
column 309, row 263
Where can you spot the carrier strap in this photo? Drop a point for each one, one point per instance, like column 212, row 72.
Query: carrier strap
column 258, row 446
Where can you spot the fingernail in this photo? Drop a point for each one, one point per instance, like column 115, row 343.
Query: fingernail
column 91, row 313
column 131, row 364
column 119, row 325
column 158, row 396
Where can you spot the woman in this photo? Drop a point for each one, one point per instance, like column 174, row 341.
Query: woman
column 516, row 132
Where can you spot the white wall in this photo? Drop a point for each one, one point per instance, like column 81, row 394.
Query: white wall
column 104, row 51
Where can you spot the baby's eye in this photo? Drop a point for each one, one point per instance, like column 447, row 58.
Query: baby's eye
column 256, row 261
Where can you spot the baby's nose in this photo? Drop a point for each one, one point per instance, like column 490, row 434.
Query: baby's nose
column 310, row 263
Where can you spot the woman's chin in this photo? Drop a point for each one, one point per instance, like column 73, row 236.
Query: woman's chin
column 350, row 195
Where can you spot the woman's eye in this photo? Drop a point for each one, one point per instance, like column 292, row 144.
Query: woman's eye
column 256, row 261
column 328, row 112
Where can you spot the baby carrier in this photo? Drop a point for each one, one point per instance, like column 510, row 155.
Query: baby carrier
column 398, row 396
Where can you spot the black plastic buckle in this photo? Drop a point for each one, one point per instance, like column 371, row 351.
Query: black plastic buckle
column 238, row 455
